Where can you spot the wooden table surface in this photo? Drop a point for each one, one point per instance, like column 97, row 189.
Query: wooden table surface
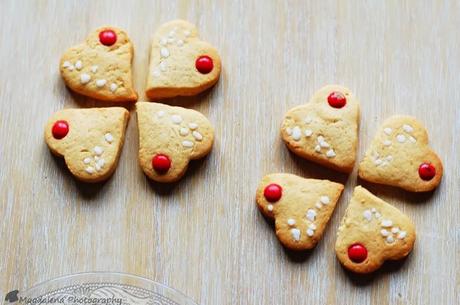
column 204, row 235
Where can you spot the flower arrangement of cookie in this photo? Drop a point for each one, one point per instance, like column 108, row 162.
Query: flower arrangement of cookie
column 325, row 131
column 91, row 140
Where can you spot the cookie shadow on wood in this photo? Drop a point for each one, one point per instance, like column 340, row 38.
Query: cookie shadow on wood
column 364, row 280
column 189, row 101
column 86, row 190
column 298, row 257
column 88, row 102
column 293, row 256
column 309, row 169
column 392, row 191
column 166, row 189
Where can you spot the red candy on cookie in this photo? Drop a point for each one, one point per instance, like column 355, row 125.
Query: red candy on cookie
column 107, row 37
column 204, row 64
column 60, row 129
column 427, row 171
column 337, row 99
column 161, row 163
column 273, row 192
column 357, row 253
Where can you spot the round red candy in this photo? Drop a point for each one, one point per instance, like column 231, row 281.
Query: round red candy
column 161, row 163
column 204, row 64
column 357, row 253
column 426, row 171
column 108, row 37
column 337, row 99
column 273, row 192
column 60, row 129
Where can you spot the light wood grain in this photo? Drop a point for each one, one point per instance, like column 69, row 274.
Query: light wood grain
column 204, row 235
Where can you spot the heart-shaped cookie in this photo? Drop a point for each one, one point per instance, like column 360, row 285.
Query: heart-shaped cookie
column 301, row 207
column 181, row 64
column 371, row 232
column 101, row 66
column 326, row 129
column 399, row 155
column 90, row 140
column 169, row 137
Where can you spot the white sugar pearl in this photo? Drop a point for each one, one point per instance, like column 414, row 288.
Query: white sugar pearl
column 180, row 43
column 308, row 120
column 402, row 234
column 330, row 153
column 176, row 119
column 100, row 163
column 270, row 207
column 311, row 214
column 317, row 148
column 291, row 222
column 85, row 78
column 187, row 144
column 390, row 239
column 66, row 64
column 113, row 87
column 87, row 160
column 108, row 137
column 310, row 232
column 386, row 223
column 401, row 138
column 324, row 144
column 94, row 69
column 98, row 150
column 193, row 126
column 90, row 170
column 388, row 130
column 394, row 230
column 308, row 132
column 312, row 226
column 407, row 128
column 367, row 214
column 387, row 142
column 183, row 131
column 324, row 199
column 161, row 114
column 384, row 232
column 289, row 131
column 78, row 65
column 295, row 234
column 101, row 83
column 197, row 135
column 164, row 52
column 296, row 133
